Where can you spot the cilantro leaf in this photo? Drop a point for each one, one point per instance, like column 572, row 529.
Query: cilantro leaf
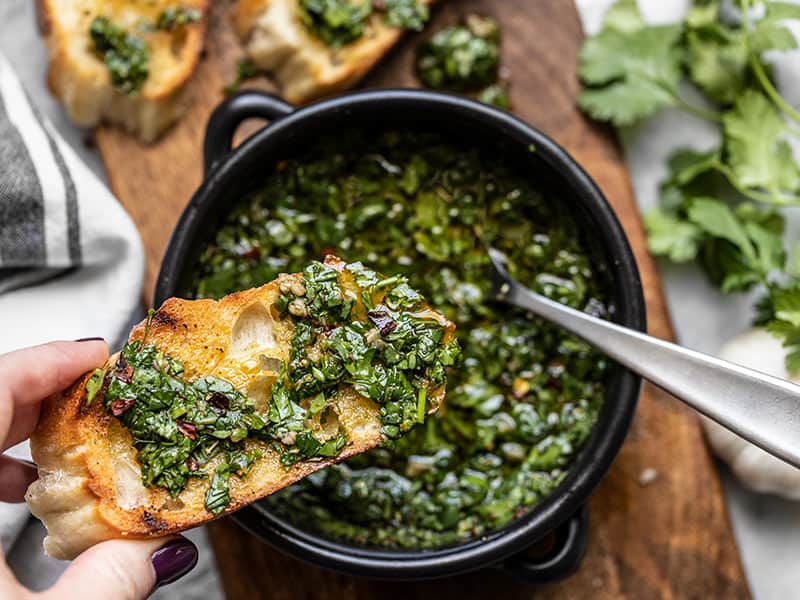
column 671, row 237
column 623, row 15
column 692, row 174
column 755, row 151
column 736, row 248
column 630, row 74
column 779, row 313
column 782, row 10
column 702, row 15
column 743, row 247
column 768, row 35
column 717, row 64
column 717, row 219
column 630, row 70
column 786, row 306
column 793, row 361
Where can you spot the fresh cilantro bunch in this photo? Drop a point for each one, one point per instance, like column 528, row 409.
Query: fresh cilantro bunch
column 631, row 69
column 711, row 209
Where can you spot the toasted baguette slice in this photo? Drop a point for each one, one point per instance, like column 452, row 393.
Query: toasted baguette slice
column 304, row 66
column 80, row 79
column 90, row 487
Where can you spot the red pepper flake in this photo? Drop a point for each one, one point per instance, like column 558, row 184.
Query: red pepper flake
column 120, row 406
column 187, row 429
column 219, row 401
column 191, row 464
column 125, row 374
column 381, row 318
column 123, row 371
column 253, row 253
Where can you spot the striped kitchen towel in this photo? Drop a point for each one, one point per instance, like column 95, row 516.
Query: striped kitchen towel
column 71, row 261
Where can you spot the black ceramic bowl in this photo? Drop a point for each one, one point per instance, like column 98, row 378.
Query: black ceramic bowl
column 231, row 174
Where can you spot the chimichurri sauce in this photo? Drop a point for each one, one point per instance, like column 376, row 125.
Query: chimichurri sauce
column 351, row 328
column 526, row 394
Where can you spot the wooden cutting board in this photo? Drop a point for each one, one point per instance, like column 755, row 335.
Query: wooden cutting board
column 667, row 539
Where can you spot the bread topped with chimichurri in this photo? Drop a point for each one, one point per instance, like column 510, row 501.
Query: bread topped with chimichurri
column 212, row 405
column 316, row 47
column 123, row 62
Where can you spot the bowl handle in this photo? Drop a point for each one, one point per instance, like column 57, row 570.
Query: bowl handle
column 561, row 561
column 227, row 117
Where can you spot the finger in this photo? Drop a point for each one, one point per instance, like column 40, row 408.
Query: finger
column 17, row 423
column 16, row 476
column 125, row 569
column 32, row 374
column 29, row 375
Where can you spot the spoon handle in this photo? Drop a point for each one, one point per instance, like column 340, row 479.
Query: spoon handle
column 762, row 409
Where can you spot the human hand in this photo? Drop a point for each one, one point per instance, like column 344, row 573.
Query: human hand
column 112, row 570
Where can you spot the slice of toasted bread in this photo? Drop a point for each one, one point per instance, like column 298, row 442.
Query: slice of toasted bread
column 306, row 68
column 79, row 78
column 90, row 485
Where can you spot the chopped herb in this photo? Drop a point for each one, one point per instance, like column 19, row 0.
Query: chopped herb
column 126, row 56
column 245, row 69
column 341, row 22
column 404, row 14
column 389, row 357
column 465, row 58
column 177, row 426
column 461, row 58
column 421, row 404
column 218, row 493
column 177, row 16
column 335, row 22
column 496, row 95
column 94, row 384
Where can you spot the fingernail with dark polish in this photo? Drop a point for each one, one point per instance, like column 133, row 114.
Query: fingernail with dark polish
column 91, row 339
column 174, row 560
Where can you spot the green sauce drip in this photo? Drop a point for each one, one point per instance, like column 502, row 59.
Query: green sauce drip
column 527, row 394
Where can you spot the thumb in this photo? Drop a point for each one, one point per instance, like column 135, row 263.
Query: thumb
column 125, row 569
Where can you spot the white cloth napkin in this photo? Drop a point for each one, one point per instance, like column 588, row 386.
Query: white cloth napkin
column 62, row 230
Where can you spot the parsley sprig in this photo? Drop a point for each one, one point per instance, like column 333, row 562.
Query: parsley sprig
column 711, row 210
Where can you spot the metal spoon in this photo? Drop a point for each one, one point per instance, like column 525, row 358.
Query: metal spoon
column 763, row 409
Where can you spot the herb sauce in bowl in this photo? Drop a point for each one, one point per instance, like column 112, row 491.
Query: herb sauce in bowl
column 526, row 394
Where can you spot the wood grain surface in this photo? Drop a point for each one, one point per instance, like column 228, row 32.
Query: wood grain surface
column 668, row 539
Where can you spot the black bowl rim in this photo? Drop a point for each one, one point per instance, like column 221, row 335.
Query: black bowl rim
column 585, row 472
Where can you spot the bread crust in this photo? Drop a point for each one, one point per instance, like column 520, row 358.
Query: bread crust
column 305, row 67
column 80, row 80
column 89, row 487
